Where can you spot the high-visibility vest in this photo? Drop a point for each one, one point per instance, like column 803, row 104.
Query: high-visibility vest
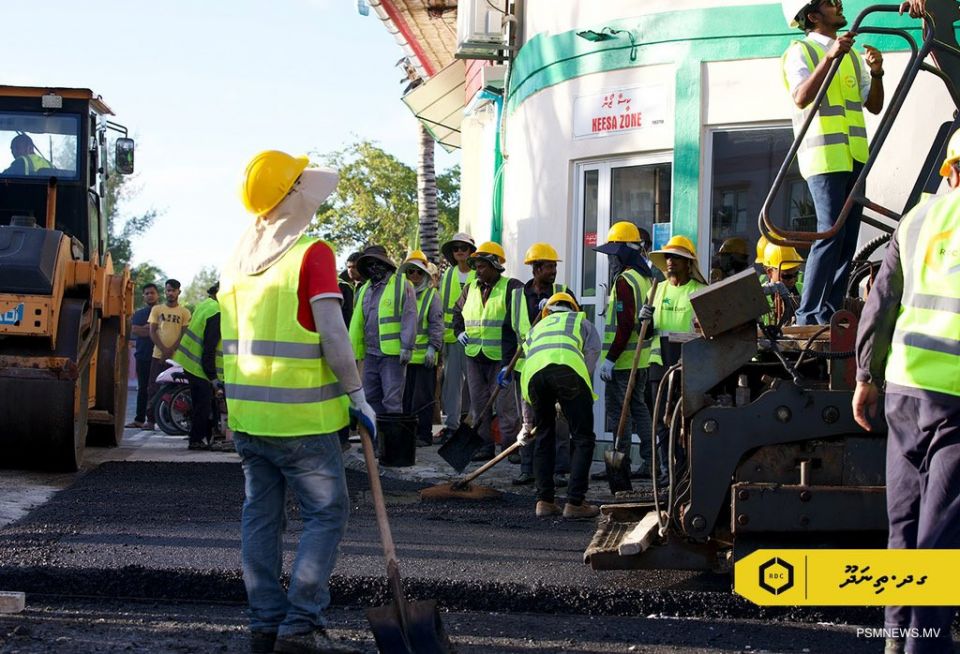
column 423, row 326
column 925, row 351
column 277, row 380
column 672, row 312
column 484, row 322
column 520, row 317
column 838, row 135
column 450, row 288
column 33, row 162
column 769, row 318
column 639, row 287
column 556, row 339
column 190, row 352
column 389, row 312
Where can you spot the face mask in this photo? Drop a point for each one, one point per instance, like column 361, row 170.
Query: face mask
column 378, row 270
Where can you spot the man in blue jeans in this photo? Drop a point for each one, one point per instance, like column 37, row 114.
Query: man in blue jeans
column 290, row 380
column 143, row 352
column 834, row 147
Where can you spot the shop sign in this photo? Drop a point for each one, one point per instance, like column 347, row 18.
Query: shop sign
column 619, row 110
column 661, row 234
column 590, row 239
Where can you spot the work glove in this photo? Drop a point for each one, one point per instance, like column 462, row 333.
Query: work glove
column 504, row 377
column 363, row 413
column 430, row 358
column 463, row 339
column 646, row 313
column 542, row 304
column 776, row 288
column 405, row 357
column 526, row 437
column 606, row 370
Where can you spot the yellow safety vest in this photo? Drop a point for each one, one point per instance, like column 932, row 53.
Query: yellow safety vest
column 423, row 326
column 389, row 316
column 838, row 135
column 450, row 292
column 925, row 352
column 640, row 287
column 520, row 317
column 672, row 312
column 277, row 381
column 484, row 322
column 555, row 339
column 190, row 352
column 33, row 163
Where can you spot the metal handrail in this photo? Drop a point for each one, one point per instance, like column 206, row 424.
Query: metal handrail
column 780, row 236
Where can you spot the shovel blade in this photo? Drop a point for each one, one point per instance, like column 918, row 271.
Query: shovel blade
column 420, row 631
column 460, row 447
column 618, row 471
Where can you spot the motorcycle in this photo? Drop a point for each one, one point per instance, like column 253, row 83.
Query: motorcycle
column 172, row 404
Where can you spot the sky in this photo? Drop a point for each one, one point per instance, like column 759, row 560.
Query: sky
column 203, row 86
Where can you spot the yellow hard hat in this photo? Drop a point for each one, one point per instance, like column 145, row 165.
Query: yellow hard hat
column 417, row 255
column 541, row 252
column 734, row 245
column 269, row 177
column 953, row 154
column 762, row 243
column 679, row 246
column 623, row 232
column 491, row 248
column 558, row 298
column 416, row 259
column 782, row 257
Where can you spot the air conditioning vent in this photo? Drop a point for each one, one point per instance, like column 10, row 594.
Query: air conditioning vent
column 480, row 28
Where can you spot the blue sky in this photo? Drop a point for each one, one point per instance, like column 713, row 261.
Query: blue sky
column 205, row 85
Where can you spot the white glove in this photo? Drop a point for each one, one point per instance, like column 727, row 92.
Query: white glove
column 776, row 288
column 527, row 437
column 463, row 339
column 363, row 412
column 430, row 359
column 542, row 304
column 405, row 357
column 606, row 370
column 646, row 313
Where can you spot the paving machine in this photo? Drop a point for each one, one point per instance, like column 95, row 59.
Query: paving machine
column 760, row 440
column 64, row 309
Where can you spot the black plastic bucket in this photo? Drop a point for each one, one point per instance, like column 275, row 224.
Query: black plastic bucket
column 397, row 433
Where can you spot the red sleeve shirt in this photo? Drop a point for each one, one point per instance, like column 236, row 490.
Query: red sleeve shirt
column 626, row 309
column 318, row 279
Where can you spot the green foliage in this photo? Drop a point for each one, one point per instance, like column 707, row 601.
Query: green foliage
column 196, row 291
column 145, row 273
column 376, row 202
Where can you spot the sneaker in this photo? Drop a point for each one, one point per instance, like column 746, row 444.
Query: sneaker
column 523, row 479
column 312, row 642
column 134, row 424
column 560, row 481
column 547, row 509
column 261, row 642
column 893, row 646
column 198, row 445
column 580, row 512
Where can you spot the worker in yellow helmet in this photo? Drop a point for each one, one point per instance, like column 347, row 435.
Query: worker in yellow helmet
column 782, row 267
column 835, row 145
column 628, row 292
column 908, row 348
column 732, row 256
column 291, row 384
column 421, row 378
column 562, row 352
column 481, row 320
column 526, row 305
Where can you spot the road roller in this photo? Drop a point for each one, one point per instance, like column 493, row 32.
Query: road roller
column 64, row 308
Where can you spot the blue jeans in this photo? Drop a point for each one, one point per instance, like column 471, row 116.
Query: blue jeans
column 638, row 421
column 828, row 265
column 313, row 469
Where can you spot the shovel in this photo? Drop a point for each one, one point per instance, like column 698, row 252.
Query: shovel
column 400, row 627
column 618, row 468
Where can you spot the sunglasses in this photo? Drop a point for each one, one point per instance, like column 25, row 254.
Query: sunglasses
column 788, row 276
column 460, row 247
column 413, row 271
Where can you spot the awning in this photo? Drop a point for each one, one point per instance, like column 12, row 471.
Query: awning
column 438, row 104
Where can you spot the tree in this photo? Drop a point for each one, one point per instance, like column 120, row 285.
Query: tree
column 146, row 273
column 427, row 196
column 376, row 201
column 196, row 290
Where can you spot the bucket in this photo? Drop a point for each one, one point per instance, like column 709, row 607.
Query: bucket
column 397, row 433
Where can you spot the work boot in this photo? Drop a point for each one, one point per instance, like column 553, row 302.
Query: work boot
column 580, row 511
column 485, row 453
column 547, row 509
column 261, row 642
column 523, row 479
column 312, row 642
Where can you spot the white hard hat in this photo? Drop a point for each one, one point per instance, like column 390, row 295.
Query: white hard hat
column 790, row 10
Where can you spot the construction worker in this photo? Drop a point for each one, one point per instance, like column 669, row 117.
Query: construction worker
column 671, row 313
column 481, row 322
column 201, row 355
column 526, row 304
column 453, row 391
column 628, row 292
column 421, row 379
column 26, row 158
column 835, row 146
column 561, row 354
column 782, row 269
column 732, row 256
column 909, row 337
column 383, row 330
column 291, row 380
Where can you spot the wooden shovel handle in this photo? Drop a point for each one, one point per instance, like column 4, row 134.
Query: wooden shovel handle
column 376, row 490
column 489, row 464
column 625, row 409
